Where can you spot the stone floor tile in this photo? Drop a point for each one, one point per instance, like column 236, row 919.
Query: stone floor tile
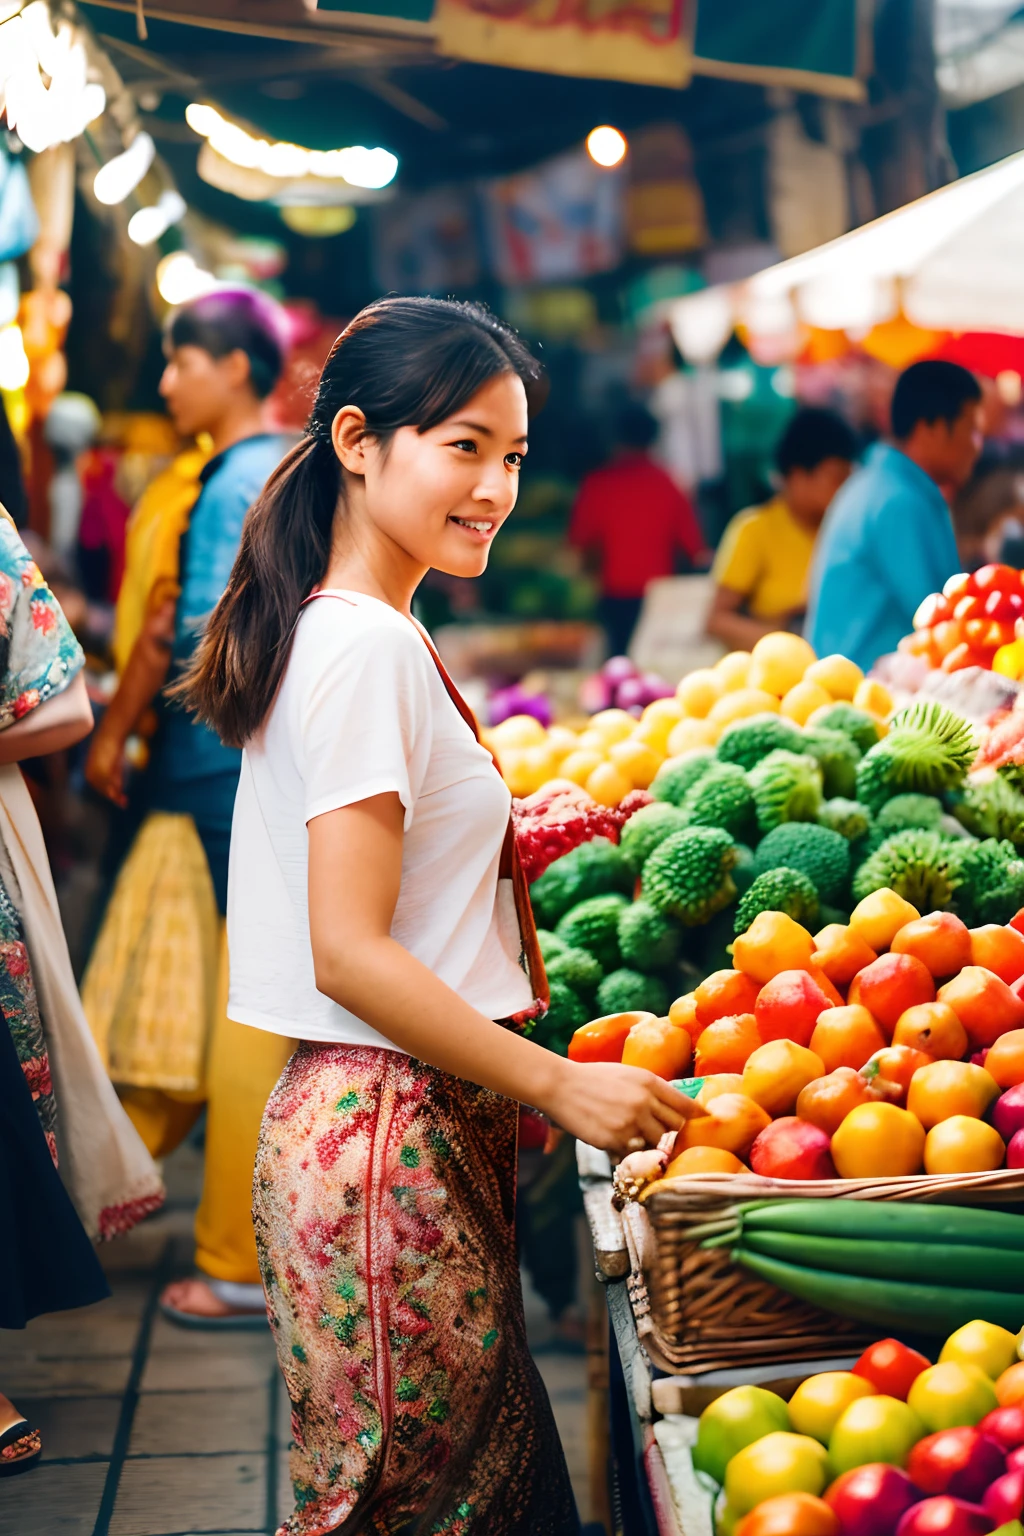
column 158, row 1495
column 285, row 1497
column 215, row 1372
column 64, row 1378
column 168, row 1338
column 52, row 1501
column 200, row 1423
column 73, row 1427
column 62, row 1336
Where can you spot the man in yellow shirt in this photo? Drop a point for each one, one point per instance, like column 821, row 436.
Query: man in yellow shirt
column 763, row 564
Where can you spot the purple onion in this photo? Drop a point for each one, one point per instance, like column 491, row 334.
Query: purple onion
column 655, row 687
column 631, row 694
column 617, row 668
column 595, row 693
column 507, row 702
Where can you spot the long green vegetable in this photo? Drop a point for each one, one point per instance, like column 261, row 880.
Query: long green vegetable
column 942, row 1264
column 882, row 1221
column 890, row 1304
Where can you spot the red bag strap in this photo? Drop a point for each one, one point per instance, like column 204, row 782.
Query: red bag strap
column 510, row 867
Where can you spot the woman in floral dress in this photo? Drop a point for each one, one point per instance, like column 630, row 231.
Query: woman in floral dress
column 56, row 1106
column 378, row 913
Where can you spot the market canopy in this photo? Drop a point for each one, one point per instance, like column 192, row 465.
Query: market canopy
column 951, row 261
column 824, row 47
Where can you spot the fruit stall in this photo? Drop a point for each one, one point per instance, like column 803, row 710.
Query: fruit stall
column 804, row 906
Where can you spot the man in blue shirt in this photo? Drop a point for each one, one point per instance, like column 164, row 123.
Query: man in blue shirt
column 225, row 353
column 887, row 540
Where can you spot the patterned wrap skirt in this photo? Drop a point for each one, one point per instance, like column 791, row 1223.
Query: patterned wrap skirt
column 384, row 1202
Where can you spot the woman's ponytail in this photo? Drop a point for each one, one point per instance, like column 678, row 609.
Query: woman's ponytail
column 283, row 555
column 403, row 363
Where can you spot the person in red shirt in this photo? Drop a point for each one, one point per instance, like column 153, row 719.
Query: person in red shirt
column 631, row 521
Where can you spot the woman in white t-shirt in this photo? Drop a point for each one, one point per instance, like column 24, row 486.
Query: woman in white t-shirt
column 377, row 913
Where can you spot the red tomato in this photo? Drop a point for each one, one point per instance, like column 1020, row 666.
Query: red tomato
column 891, row 1367
column 957, row 585
column 962, row 656
column 976, row 630
column 1004, row 605
column 969, row 608
column 1017, row 921
column 999, row 578
column 932, row 610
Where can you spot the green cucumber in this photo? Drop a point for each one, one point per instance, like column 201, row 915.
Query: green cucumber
column 889, row 1304
column 882, row 1221
column 947, row 1264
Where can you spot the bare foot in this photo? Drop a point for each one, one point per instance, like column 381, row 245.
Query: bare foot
column 196, row 1298
column 8, row 1414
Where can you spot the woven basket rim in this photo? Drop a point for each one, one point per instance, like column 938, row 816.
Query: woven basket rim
column 685, row 1191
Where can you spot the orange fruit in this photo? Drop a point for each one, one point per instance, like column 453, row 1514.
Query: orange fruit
column 878, row 1141
column 1000, row 950
column 826, row 984
column 704, row 1160
column 838, row 674
column 943, row 1089
column 985, row 1005
column 660, row 1047
column 803, row 699
column 940, row 940
column 683, row 1014
column 963, row 1144
column 772, row 943
column 608, row 785
column 934, row 1029
column 724, row 993
column 790, row 1514
column 846, row 1037
column 733, row 1123
column 826, row 1101
column 1004, row 1061
column 891, row 1070
column 841, row 953
column 725, row 1045
column 1010, row 1385
column 880, row 916
column 718, row 1083
column 637, row 761
column 776, row 1072
column 892, row 984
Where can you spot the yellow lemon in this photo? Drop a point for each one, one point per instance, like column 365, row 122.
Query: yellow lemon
column 655, row 734
column 734, row 670
column 742, row 704
column 562, row 741
column 612, row 725
column 802, row 700
column 991, row 1348
column 516, row 771
column 692, row 733
column 778, row 662
column 667, row 711
column 538, row 765
column 636, row 760
column 592, row 741
column 608, row 785
column 699, row 690
column 874, row 697
column 577, row 766
column 518, row 731
column 838, row 675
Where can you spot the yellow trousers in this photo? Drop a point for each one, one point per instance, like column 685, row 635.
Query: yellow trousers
column 244, row 1064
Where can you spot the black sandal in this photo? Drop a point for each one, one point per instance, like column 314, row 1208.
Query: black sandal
column 20, row 1448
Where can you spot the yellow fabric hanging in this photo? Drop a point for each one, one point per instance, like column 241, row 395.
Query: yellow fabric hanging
column 150, row 990
column 152, row 545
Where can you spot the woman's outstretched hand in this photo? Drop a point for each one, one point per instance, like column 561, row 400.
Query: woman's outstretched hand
column 615, row 1108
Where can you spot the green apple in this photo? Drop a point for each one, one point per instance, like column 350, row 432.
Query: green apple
column 949, row 1394
column 874, row 1429
column 780, row 1463
column 735, row 1420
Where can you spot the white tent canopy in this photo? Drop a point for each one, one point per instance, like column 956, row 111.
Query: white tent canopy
column 952, row 261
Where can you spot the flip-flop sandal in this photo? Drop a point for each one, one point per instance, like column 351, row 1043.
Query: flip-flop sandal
column 20, row 1448
column 251, row 1321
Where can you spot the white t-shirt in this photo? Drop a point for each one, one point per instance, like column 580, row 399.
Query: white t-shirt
column 362, row 710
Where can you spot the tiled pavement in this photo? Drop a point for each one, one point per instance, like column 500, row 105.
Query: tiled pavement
column 152, row 1430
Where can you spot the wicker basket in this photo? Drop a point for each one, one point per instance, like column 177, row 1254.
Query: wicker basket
column 697, row 1311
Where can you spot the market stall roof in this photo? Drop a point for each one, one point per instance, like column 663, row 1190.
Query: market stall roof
column 951, row 261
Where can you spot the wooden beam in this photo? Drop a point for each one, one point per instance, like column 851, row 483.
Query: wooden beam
column 279, row 22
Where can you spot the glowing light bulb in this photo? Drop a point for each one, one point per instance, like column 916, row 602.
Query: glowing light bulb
column 201, row 118
column 119, row 176
column 148, row 224
column 606, row 146
column 13, row 359
column 179, row 279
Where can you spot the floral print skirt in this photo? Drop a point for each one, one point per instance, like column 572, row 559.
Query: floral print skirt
column 384, row 1204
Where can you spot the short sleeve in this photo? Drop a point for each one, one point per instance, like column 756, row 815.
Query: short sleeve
column 585, row 521
column 39, row 655
column 738, row 561
column 366, row 722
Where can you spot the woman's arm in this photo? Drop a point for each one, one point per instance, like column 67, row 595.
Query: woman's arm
column 50, row 727
column 143, row 678
column 355, row 865
column 727, row 622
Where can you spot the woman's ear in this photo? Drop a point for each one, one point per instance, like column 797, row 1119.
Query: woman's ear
column 349, row 436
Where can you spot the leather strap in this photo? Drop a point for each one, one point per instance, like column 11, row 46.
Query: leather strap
column 510, row 866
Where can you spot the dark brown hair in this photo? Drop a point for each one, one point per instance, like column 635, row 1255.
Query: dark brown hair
column 404, row 363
